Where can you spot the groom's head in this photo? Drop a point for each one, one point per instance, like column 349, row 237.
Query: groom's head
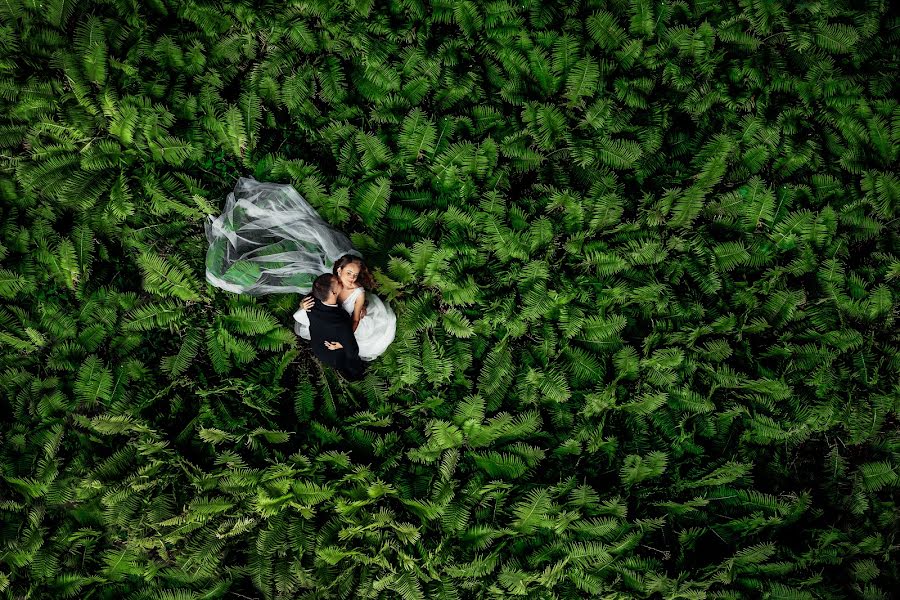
column 326, row 288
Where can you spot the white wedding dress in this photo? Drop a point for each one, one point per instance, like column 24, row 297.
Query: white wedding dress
column 376, row 329
column 269, row 240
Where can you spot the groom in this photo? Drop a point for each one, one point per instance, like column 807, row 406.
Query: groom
column 331, row 329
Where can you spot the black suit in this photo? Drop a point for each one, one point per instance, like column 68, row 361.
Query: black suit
column 333, row 324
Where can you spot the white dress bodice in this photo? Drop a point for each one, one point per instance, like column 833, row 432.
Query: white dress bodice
column 350, row 301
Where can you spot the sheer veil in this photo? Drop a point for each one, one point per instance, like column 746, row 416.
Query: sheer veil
column 269, row 240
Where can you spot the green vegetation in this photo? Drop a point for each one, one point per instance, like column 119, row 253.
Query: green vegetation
column 644, row 256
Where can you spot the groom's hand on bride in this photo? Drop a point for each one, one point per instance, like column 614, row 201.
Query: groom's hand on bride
column 333, row 345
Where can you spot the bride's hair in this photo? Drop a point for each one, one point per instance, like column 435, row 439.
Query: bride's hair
column 364, row 278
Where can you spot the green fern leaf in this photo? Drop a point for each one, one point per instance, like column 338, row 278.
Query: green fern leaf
column 167, row 277
column 94, row 382
column 372, row 200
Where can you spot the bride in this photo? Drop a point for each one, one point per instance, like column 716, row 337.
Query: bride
column 269, row 240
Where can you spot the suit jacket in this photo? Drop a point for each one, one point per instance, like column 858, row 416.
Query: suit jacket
column 332, row 323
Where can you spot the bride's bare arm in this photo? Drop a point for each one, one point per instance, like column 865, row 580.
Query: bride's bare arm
column 357, row 310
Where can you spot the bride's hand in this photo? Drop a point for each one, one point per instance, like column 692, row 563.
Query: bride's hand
column 307, row 303
column 362, row 312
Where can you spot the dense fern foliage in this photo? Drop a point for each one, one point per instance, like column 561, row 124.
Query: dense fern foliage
column 644, row 255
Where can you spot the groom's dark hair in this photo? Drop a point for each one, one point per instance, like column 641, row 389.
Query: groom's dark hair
column 322, row 286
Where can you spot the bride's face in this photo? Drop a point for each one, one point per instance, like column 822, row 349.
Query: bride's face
column 348, row 274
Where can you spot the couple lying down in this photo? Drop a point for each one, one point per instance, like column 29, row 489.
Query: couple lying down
column 343, row 330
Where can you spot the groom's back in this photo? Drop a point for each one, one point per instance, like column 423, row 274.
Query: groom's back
column 333, row 324
column 326, row 324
